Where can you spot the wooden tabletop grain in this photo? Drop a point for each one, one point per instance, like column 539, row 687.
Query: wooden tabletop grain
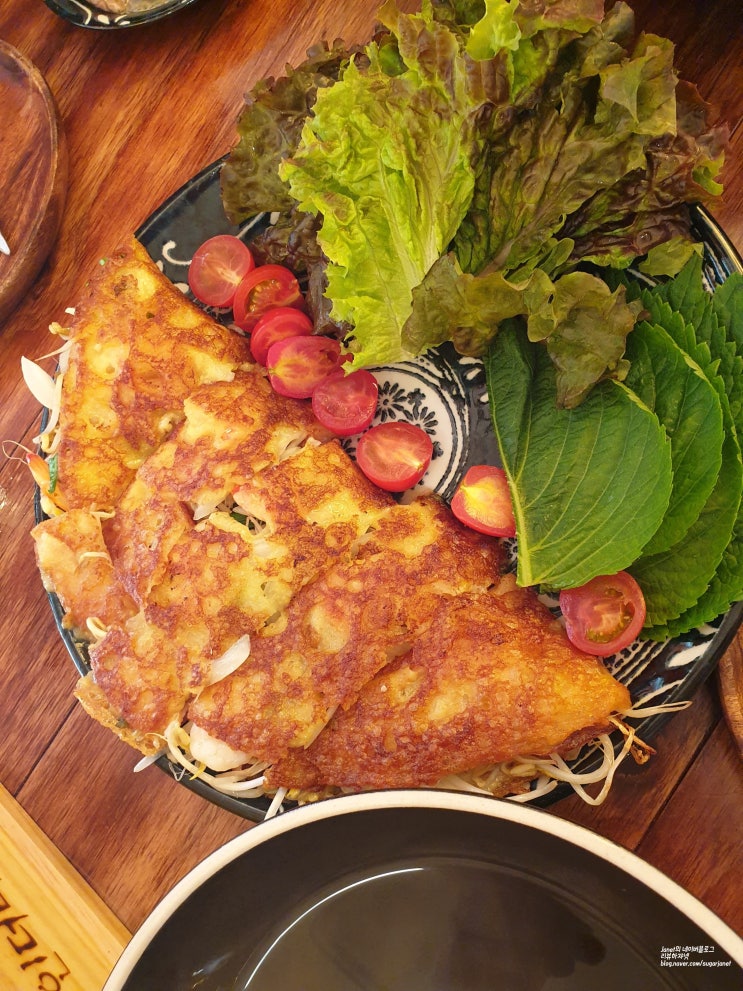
column 143, row 110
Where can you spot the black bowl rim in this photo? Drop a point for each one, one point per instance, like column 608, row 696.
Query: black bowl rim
column 404, row 800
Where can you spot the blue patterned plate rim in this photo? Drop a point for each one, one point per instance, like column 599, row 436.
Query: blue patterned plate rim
column 88, row 15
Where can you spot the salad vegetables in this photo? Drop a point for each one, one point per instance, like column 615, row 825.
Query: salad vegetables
column 485, row 172
column 604, row 615
column 217, row 268
column 483, row 501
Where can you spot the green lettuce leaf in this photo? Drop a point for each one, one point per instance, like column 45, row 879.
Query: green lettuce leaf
column 585, row 328
column 582, row 322
column 386, row 162
column 590, row 485
column 574, row 143
column 388, row 159
column 645, row 209
column 453, row 305
column 269, row 127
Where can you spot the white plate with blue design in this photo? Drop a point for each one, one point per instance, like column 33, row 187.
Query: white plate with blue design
column 446, row 394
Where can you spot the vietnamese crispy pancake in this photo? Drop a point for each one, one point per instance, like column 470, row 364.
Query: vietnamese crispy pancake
column 75, row 563
column 138, row 348
column 230, row 431
column 489, row 677
column 338, row 631
column 250, row 595
column 226, row 576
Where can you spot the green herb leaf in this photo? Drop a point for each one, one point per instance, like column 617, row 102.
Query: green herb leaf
column 702, row 575
column 675, row 580
column 670, row 383
column 590, row 485
column 53, row 465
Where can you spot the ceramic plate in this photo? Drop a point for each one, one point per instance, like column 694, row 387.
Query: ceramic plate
column 422, row 890
column 88, row 15
column 444, row 393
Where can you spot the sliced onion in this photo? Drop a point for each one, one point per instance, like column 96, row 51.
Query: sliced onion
column 147, row 761
column 203, row 509
column 231, row 660
column 40, row 384
column 216, row 754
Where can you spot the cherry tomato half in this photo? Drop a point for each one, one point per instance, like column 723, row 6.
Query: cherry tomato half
column 275, row 325
column 483, row 502
column 297, row 365
column 395, row 455
column 262, row 289
column 604, row 615
column 346, row 403
column 217, row 268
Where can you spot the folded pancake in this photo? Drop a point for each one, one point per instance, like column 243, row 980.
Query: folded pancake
column 238, row 570
column 146, row 674
column 340, row 629
column 139, row 348
column 491, row 677
column 230, row 431
column 213, row 523
column 228, row 575
column 75, row 563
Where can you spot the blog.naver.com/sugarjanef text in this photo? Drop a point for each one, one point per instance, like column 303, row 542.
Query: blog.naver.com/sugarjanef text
column 700, row 955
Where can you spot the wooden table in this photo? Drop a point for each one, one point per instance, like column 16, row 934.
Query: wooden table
column 143, row 110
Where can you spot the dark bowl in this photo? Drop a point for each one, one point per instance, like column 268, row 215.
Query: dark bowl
column 426, row 890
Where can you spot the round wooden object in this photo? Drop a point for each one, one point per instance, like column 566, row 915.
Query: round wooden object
column 730, row 675
column 33, row 175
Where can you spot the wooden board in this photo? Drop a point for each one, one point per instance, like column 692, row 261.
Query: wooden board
column 55, row 932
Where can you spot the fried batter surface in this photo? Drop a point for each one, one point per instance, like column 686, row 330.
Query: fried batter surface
column 490, row 677
column 387, row 647
column 75, row 563
column 139, row 347
column 219, row 578
column 339, row 630
column 231, row 431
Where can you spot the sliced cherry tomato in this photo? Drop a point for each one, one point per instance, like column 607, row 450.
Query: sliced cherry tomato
column 275, row 325
column 217, row 268
column 395, row 455
column 483, row 502
column 264, row 288
column 297, row 365
column 604, row 615
column 346, row 403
